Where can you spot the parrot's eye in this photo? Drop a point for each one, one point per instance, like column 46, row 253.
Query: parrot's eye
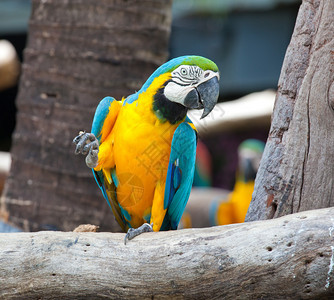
column 188, row 75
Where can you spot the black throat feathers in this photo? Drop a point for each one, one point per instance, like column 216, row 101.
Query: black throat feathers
column 167, row 110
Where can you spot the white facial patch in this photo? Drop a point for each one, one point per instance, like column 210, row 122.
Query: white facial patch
column 176, row 92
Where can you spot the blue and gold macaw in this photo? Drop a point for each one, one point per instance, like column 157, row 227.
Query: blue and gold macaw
column 142, row 149
column 234, row 209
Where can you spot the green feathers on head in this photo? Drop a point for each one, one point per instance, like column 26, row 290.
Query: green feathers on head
column 252, row 144
column 202, row 62
column 170, row 66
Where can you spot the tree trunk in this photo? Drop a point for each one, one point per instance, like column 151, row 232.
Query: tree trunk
column 291, row 259
column 78, row 52
column 296, row 171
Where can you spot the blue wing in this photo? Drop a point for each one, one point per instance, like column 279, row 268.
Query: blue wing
column 100, row 116
column 180, row 174
column 104, row 119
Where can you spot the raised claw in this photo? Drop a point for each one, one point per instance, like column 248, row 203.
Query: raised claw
column 78, row 137
column 84, row 142
column 87, row 143
column 89, row 147
column 92, row 157
column 133, row 232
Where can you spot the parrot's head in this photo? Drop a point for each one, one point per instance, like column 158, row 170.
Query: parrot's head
column 249, row 152
column 186, row 82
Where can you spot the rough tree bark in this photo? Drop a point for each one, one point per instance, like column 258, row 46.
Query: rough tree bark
column 285, row 258
column 78, row 52
column 296, row 171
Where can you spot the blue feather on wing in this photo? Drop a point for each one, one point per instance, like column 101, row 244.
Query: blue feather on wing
column 101, row 113
column 180, row 174
column 107, row 186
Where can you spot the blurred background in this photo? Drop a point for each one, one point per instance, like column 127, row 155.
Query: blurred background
column 14, row 16
column 246, row 38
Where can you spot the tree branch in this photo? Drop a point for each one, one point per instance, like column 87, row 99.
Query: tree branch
column 288, row 257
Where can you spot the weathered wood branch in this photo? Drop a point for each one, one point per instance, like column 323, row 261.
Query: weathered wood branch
column 285, row 258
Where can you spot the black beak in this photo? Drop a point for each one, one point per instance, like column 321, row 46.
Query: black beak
column 248, row 170
column 204, row 96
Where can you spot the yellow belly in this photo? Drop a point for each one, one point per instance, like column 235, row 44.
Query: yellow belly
column 141, row 150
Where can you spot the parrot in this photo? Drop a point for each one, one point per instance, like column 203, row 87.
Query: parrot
column 142, row 148
column 234, row 210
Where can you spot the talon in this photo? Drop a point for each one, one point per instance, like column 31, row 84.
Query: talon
column 87, row 144
column 78, row 137
column 93, row 146
column 133, row 232
column 84, row 141
column 87, row 148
